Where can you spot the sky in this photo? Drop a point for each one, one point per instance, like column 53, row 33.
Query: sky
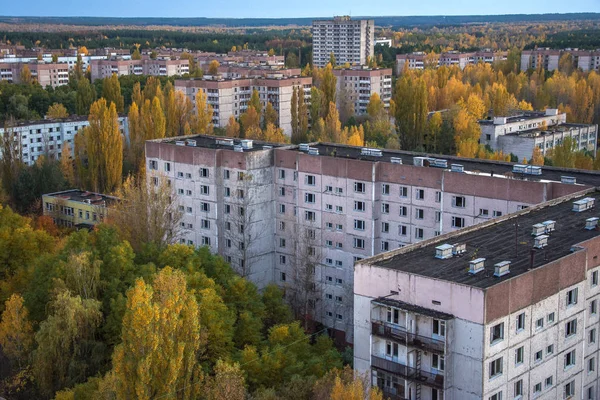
column 293, row 8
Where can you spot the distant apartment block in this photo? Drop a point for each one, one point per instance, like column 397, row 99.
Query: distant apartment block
column 47, row 137
column 358, row 84
column 46, row 74
column 350, row 41
column 240, row 70
column 77, row 208
column 546, row 58
column 160, row 67
column 520, row 134
column 246, row 58
column 384, row 41
column 69, row 61
column 418, row 60
column 230, row 97
column 329, row 206
column 507, row 309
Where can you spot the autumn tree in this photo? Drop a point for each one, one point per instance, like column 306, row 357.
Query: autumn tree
column 86, row 95
column 16, row 332
column 66, row 164
column 333, row 126
column 294, row 115
column 411, row 111
column 111, row 91
column 538, row 157
column 563, row 155
column 136, row 55
column 328, row 85
column 273, row 134
column 255, row 102
column 227, row 383
column 57, row 110
column 64, row 342
column 316, row 100
column 26, row 76
column 148, row 212
column 160, row 340
column 103, row 147
column 213, row 67
column 204, row 115
column 271, row 115
column 233, row 128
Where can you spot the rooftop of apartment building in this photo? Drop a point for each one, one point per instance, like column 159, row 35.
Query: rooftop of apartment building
column 506, row 239
column 499, row 169
column 523, row 116
column 82, row 196
column 219, row 78
column 536, row 132
column 72, row 118
column 219, row 143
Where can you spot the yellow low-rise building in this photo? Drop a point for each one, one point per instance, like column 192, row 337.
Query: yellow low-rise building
column 77, row 208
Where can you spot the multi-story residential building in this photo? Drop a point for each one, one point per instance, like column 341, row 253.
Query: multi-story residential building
column 230, row 97
column 238, row 71
column 77, row 208
column 244, row 57
column 507, row 309
column 331, row 205
column 120, row 66
column 420, row 60
column 46, row 137
column 358, row 84
column 46, row 74
column 546, row 58
column 520, row 134
column 70, row 61
column 350, row 41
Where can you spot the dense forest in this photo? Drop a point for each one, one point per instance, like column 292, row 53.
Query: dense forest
column 393, row 21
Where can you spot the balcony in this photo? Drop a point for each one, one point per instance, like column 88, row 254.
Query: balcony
column 409, row 373
column 406, row 338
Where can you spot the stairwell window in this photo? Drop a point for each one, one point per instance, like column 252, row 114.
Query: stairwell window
column 359, row 243
column 420, row 194
column 439, row 327
column 437, row 362
column 359, row 187
column 310, row 180
column 385, row 189
column 571, row 328
column 520, row 322
column 569, row 390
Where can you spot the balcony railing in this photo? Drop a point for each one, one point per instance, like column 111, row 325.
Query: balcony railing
column 406, row 338
column 410, row 373
column 389, row 395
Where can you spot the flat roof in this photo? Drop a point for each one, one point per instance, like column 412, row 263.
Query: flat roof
column 499, row 240
column 216, row 142
column 83, row 196
column 471, row 165
column 526, row 116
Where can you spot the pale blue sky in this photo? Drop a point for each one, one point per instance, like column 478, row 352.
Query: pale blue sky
column 287, row 8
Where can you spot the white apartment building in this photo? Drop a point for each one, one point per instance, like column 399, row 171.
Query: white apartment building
column 504, row 310
column 104, row 68
column 350, row 41
column 46, row 137
column 546, row 58
column 418, row 59
column 358, row 84
column 520, row 134
column 230, row 97
column 332, row 205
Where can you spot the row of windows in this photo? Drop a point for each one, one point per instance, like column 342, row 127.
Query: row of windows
column 568, row 389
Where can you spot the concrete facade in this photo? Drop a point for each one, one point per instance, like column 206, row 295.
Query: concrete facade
column 419, row 59
column 230, row 97
column 520, row 134
column 47, row 137
column 350, row 41
column 46, row 74
column 76, row 208
column 340, row 207
column 530, row 334
column 546, row 58
column 160, row 67
column 357, row 86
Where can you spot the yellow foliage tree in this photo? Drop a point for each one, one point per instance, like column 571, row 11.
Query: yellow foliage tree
column 204, row 115
column 57, row 110
column 274, row 134
column 537, row 157
column 16, row 333
column 104, row 147
column 233, row 128
column 213, row 67
column 160, row 341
